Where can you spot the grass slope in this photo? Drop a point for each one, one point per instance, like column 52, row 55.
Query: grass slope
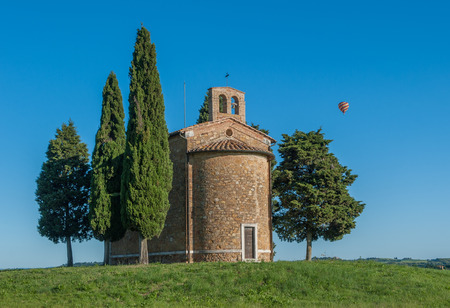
column 433, row 263
column 320, row 283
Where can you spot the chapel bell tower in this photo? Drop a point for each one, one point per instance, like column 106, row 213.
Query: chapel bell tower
column 226, row 102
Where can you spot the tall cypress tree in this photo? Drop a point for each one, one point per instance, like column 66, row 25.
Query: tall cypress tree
column 204, row 110
column 147, row 174
column 63, row 190
column 107, row 164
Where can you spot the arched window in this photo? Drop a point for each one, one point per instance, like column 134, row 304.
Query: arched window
column 222, row 104
column 234, row 105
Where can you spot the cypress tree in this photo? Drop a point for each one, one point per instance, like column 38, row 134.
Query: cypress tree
column 147, row 174
column 107, row 164
column 203, row 115
column 204, row 110
column 63, row 190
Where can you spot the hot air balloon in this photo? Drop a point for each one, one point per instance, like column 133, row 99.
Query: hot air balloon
column 343, row 106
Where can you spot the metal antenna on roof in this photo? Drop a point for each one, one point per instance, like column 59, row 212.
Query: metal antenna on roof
column 185, row 104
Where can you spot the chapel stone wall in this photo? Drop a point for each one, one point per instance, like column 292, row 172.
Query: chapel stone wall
column 230, row 189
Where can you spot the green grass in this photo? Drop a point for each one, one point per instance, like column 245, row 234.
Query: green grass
column 433, row 263
column 299, row 284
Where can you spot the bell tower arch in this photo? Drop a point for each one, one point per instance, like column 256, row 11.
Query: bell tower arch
column 226, row 102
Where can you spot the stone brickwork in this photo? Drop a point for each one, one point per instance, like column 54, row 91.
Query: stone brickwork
column 229, row 189
column 221, row 185
column 216, row 257
column 128, row 245
column 168, row 258
column 205, row 133
column 227, row 95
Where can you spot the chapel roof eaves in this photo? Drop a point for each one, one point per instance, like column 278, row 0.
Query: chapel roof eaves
column 177, row 132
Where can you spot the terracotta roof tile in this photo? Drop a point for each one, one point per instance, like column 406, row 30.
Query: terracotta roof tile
column 228, row 145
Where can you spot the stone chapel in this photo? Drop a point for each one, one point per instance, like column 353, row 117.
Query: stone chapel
column 220, row 203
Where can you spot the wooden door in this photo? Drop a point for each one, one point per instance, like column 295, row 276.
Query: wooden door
column 249, row 242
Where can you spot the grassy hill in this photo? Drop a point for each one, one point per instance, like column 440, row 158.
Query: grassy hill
column 318, row 283
column 433, row 263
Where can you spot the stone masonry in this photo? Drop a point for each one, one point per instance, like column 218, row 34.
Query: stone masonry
column 221, row 196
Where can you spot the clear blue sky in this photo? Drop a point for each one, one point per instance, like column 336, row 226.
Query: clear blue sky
column 296, row 60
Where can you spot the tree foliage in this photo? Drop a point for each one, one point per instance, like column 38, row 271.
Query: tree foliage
column 63, row 190
column 312, row 191
column 107, row 164
column 262, row 130
column 147, row 174
column 204, row 110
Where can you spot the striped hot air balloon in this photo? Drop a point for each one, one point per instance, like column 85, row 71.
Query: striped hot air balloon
column 343, row 106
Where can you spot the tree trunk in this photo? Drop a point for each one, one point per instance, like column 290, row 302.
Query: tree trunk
column 143, row 257
column 106, row 260
column 69, row 252
column 308, row 245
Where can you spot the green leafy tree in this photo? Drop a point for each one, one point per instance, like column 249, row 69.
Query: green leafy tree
column 147, row 174
column 63, row 190
column 311, row 187
column 107, row 164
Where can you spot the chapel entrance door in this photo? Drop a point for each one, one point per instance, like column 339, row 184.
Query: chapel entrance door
column 249, row 243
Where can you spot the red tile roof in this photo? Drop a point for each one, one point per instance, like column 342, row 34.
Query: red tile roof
column 229, row 145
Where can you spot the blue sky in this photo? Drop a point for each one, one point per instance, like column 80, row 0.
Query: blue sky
column 296, row 60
